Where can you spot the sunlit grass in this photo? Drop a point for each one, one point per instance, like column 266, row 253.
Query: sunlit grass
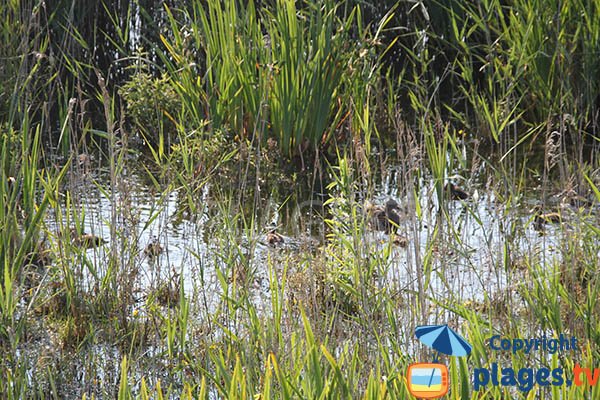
column 231, row 92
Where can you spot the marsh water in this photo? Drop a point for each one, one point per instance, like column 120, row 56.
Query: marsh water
column 207, row 245
column 469, row 262
column 192, row 192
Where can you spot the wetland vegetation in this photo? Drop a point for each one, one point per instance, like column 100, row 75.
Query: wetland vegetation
column 264, row 199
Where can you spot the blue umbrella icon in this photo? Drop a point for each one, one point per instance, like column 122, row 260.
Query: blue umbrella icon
column 443, row 339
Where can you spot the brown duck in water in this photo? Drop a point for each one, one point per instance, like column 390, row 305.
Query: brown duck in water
column 385, row 218
column 401, row 241
column 153, row 249
column 456, row 193
column 574, row 199
column 86, row 240
column 273, row 238
column 542, row 218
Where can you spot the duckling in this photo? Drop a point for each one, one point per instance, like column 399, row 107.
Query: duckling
column 580, row 202
column 41, row 256
column 573, row 196
column 574, row 199
column 386, row 218
column 273, row 238
column 153, row 249
column 548, row 218
column 456, row 193
column 541, row 218
column 401, row 241
column 168, row 292
column 89, row 241
column 86, row 240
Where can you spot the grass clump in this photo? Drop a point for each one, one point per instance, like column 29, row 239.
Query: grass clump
column 202, row 281
column 151, row 104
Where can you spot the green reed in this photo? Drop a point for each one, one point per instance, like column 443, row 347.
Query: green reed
column 334, row 322
column 307, row 58
column 294, row 83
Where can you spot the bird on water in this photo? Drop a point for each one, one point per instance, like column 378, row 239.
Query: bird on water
column 456, row 193
column 385, row 218
column 86, row 240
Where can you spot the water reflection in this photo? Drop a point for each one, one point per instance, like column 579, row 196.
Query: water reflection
column 466, row 250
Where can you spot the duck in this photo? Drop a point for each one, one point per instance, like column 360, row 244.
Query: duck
column 153, row 249
column 273, row 238
column 542, row 218
column 385, row 218
column 401, row 241
column 86, row 240
column 456, row 193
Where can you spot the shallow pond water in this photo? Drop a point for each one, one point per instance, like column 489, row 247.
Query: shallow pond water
column 470, row 252
column 468, row 262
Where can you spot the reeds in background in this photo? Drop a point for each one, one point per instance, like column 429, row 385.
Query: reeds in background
column 228, row 97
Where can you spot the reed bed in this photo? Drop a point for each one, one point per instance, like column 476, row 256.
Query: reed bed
column 228, row 153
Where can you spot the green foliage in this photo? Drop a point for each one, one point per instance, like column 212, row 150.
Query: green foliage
column 531, row 60
column 11, row 29
column 254, row 320
column 307, row 56
column 152, row 103
column 294, row 83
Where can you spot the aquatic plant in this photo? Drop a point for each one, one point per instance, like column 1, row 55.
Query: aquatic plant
column 187, row 298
